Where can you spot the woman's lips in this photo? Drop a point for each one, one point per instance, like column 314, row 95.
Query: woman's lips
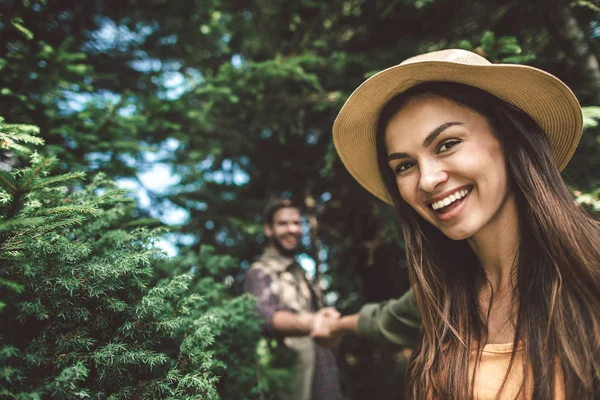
column 452, row 210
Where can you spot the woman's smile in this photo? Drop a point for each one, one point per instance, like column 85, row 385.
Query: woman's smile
column 449, row 206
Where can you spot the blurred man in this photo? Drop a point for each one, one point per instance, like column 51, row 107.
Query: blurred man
column 290, row 305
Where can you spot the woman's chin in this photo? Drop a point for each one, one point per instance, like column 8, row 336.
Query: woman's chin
column 457, row 234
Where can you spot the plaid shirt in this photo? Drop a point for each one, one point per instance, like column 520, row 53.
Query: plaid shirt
column 326, row 383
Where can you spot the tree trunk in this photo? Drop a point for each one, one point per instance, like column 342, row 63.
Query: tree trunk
column 570, row 35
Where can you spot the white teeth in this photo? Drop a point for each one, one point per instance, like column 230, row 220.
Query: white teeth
column 449, row 199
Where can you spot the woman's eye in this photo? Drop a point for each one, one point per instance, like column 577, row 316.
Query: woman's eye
column 403, row 167
column 447, row 145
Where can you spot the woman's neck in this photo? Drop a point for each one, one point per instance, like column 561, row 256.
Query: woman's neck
column 496, row 245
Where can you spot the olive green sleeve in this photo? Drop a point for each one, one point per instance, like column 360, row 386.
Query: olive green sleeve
column 396, row 321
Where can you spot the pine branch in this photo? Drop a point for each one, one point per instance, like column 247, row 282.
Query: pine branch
column 30, row 175
column 7, row 180
column 74, row 210
column 42, row 182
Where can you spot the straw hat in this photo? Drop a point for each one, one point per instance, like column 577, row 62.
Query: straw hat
column 541, row 95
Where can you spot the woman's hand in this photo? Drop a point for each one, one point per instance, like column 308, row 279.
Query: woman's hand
column 324, row 327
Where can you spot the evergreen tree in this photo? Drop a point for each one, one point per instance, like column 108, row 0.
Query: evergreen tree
column 78, row 317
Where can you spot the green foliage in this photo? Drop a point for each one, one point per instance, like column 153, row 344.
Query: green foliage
column 12, row 135
column 591, row 200
column 79, row 317
column 591, row 115
column 505, row 49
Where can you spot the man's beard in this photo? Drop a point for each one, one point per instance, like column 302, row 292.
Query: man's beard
column 282, row 250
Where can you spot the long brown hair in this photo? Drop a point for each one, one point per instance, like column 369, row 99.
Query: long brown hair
column 557, row 269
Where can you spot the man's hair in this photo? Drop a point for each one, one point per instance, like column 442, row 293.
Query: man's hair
column 276, row 205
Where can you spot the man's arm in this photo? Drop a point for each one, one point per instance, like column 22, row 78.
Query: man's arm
column 279, row 319
column 287, row 323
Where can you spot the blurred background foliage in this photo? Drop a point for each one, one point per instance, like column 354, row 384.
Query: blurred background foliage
column 205, row 109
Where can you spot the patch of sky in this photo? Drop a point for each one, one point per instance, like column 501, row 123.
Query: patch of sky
column 110, row 36
column 165, row 151
column 331, row 298
column 237, row 60
column 174, row 215
column 196, row 205
column 136, row 191
column 64, row 16
column 595, row 29
column 147, row 65
column 305, row 228
column 127, row 110
column 230, row 173
column 168, row 40
column 128, row 160
column 97, row 159
column 307, row 263
column 209, row 225
column 168, row 213
column 158, row 178
column 193, row 75
column 267, row 133
column 312, row 137
column 227, row 196
column 205, row 164
column 169, row 242
column 323, row 253
column 73, row 101
column 305, row 240
column 176, row 85
column 70, row 143
column 325, row 282
column 221, row 236
column 326, row 196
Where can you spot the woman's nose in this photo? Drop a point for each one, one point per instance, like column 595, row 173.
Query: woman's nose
column 432, row 175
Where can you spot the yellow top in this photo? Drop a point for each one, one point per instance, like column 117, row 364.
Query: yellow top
column 492, row 370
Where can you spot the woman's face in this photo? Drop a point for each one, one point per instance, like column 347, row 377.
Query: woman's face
column 449, row 166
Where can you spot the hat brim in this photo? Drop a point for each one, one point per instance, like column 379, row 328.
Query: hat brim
column 541, row 95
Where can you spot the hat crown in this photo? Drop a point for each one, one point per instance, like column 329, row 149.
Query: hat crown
column 457, row 56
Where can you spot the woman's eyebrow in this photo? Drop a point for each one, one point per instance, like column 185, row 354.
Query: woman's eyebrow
column 427, row 141
column 436, row 132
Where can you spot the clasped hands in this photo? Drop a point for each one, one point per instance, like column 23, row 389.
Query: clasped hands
column 323, row 328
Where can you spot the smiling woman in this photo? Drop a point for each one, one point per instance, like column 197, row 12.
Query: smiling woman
column 504, row 265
